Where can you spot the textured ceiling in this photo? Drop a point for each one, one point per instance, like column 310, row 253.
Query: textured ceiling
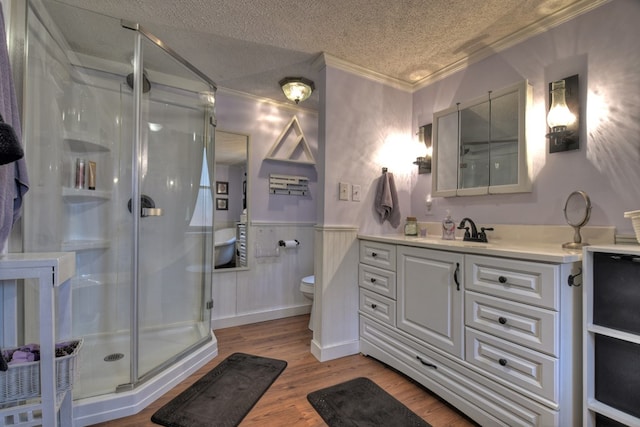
column 249, row 45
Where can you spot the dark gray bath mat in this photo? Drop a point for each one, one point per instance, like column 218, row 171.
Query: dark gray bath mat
column 224, row 396
column 360, row 402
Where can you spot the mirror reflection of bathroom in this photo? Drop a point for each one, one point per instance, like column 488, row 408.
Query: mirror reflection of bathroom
column 230, row 204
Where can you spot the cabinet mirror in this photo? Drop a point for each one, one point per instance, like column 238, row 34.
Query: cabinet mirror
column 479, row 146
column 230, row 204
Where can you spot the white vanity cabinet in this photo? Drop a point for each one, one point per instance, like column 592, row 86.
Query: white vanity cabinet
column 495, row 336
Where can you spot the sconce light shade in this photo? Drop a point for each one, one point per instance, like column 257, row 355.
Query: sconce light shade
column 424, row 162
column 564, row 114
column 297, row 89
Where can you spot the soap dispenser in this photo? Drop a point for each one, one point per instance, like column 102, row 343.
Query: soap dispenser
column 448, row 228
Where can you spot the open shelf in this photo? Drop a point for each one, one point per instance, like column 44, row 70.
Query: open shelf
column 84, row 142
column 82, row 195
column 85, row 245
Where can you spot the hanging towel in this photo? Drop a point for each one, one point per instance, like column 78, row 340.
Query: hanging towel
column 14, row 182
column 386, row 200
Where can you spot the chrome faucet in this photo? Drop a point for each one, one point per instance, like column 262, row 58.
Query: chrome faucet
column 473, row 236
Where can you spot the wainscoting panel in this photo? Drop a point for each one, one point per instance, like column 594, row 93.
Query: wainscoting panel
column 336, row 296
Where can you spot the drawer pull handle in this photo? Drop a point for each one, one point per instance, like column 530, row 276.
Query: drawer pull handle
column 373, row 280
column 425, row 363
column 502, row 279
column 502, row 362
column 374, row 306
column 373, row 254
column 502, row 320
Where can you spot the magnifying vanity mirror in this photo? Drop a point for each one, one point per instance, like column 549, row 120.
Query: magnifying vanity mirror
column 230, row 200
column 577, row 211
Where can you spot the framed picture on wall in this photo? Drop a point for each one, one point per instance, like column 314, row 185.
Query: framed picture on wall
column 222, row 204
column 222, row 187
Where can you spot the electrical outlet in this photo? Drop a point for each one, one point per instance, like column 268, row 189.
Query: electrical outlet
column 344, row 191
column 355, row 193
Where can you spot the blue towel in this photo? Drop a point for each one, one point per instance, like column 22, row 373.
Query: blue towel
column 14, row 182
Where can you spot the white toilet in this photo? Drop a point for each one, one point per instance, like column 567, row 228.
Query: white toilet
column 306, row 287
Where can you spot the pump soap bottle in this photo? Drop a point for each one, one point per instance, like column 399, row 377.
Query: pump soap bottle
column 448, row 228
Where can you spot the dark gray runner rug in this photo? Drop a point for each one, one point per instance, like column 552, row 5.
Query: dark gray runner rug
column 223, row 396
column 360, row 402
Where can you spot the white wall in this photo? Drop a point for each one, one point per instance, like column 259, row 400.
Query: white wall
column 600, row 46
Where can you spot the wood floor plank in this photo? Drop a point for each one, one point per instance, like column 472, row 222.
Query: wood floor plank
column 285, row 403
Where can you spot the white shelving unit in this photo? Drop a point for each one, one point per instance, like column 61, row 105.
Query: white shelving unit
column 609, row 331
column 53, row 271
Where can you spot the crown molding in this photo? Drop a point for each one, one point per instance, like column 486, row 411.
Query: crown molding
column 325, row 59
column 538, row 27
column 263, row 100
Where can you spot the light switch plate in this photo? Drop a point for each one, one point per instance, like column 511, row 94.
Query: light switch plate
column 355, row 193
column 344, row 191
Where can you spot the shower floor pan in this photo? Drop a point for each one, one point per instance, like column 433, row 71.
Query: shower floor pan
column 104, row 362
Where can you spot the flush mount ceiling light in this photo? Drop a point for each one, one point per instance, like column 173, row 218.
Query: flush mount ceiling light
column 297, row 89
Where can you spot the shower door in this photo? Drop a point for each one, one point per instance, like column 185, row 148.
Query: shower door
column 172, row 119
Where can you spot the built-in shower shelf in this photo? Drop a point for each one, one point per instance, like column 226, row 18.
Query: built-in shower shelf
column 85, row 142
column 84, row 245
column 80, row 195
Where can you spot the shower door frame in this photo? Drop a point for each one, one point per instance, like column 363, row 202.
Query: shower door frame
column 135, row 378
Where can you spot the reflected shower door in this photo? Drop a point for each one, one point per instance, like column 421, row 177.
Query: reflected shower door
column 174, row 258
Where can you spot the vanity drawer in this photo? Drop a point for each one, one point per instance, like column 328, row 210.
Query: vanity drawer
column 522, row 281
column 378, row 280
column 522, row 324
column 377, row 306
column 517, row 365
column 381, row 255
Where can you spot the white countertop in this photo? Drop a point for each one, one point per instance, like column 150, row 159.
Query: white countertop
column 533, row 251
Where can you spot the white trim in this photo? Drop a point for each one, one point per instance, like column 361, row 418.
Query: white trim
column 262, row 100
column 538, row 27
column 341, row 64
column 259, row 223
column 335, row 351
column 337, row 227
column 263, row 316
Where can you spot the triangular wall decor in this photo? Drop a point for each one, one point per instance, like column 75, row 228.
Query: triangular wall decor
column 291, row 145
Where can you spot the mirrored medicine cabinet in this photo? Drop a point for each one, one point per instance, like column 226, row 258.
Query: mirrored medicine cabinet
column 479, row 146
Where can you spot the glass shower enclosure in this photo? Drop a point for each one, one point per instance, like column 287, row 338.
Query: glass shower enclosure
column 116, row 126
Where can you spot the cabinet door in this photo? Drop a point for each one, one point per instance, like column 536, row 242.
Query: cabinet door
column 430, row 297
column 445, row 153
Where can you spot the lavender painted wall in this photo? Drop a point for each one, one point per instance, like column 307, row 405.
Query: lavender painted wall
column 263, row 122
column 600, row 46
column 367, row 126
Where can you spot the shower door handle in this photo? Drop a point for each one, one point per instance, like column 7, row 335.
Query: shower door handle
column 147, row 207
column 151, row 212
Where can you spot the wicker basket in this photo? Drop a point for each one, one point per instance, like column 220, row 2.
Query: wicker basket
column 635, row 221
column 22, row 381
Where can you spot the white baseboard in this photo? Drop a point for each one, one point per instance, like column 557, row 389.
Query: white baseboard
column 335, row 351
column 262, row 316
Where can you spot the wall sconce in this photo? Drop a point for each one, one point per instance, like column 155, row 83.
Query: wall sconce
column 564, row 115
column 424, row 163
column 297, row 89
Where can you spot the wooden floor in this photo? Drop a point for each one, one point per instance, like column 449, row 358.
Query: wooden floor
column 285, row 403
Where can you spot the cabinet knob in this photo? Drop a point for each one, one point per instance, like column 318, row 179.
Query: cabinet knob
column 374, row 306
column 502, row 320
column 502, row 279
column 502, row 362
column 373, row 280
column 373, row 254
